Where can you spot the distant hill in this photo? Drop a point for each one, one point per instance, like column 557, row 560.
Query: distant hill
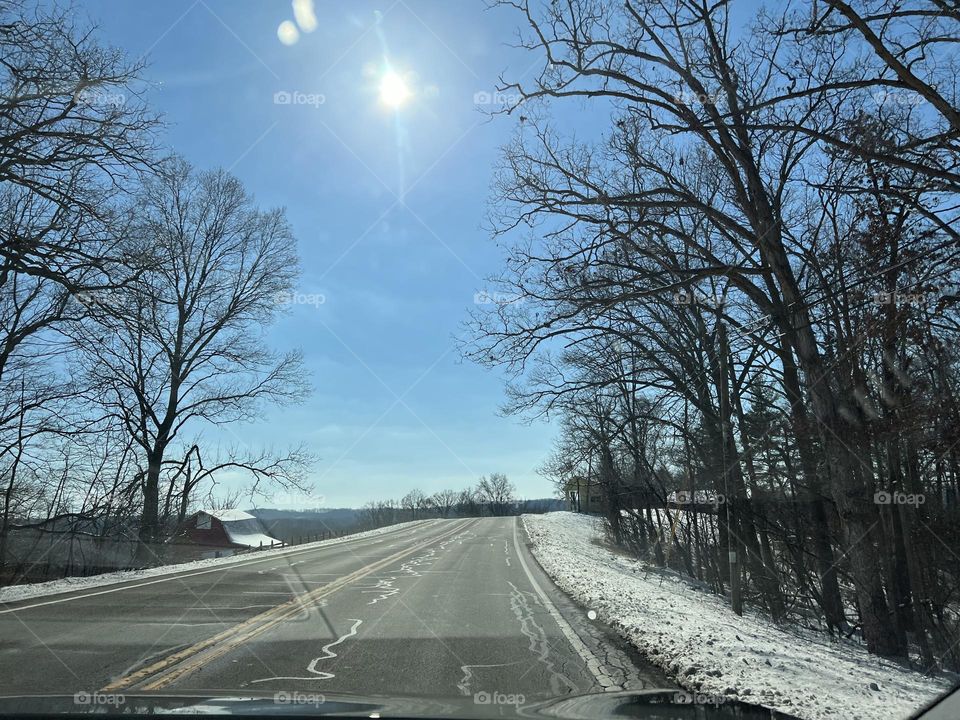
column 292, row 525
column 541, row 505
column 313, row 514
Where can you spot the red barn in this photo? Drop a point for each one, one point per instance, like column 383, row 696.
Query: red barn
column 219, row 533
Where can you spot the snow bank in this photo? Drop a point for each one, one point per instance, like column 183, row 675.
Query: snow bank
column 12, row 593
column 698, row 640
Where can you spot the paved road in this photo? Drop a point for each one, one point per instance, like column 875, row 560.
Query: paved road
column 445, row 608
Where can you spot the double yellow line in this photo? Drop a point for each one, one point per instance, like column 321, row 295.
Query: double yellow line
column 171, row 668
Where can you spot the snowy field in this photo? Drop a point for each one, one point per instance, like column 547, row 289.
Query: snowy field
column 13, row 593
column 697, row 639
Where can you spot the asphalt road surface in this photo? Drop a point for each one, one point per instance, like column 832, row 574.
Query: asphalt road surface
column 441, row 609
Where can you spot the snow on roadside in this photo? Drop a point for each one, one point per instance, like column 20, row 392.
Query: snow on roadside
column 697, row 639
column 12, row 593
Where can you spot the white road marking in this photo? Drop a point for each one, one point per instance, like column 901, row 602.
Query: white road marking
column 326, row 654
column 560, row 684
column 604, row 680
column 180, row 575
column 464, row 683
column 385, row 585
column 166, row 623
column 238, row 607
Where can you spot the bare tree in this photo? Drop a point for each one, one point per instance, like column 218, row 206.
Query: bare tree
column 444, row 501
column 74, row 137
column 497, row 492
column 726, row 168
column 415, row 503
column 184, row 344
column 261, row 470
column 379, row 513
column 73, row 131
column 468, row 504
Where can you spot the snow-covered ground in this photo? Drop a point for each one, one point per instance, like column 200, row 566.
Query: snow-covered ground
column 706, row 648
column 25, row 592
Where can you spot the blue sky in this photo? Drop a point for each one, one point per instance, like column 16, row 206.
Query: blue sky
column 387, row 205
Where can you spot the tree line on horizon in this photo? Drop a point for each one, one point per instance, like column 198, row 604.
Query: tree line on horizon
column 493, row 495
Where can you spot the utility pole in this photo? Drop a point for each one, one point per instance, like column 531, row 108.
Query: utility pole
column 733, row 545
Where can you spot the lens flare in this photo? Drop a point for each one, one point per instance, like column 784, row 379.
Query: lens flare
column 394, row 91
column 287, row 33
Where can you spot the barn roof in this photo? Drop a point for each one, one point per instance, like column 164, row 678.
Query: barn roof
column 242, row 528
column 229, row 515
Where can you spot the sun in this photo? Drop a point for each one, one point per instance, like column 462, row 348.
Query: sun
column 394, row 91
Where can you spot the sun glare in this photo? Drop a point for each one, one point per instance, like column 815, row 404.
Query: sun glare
column 393, row 90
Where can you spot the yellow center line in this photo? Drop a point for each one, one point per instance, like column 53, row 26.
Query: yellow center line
column 174, row 666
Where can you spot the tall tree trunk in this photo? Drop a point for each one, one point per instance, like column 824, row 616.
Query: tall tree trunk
column 732, row 474
column 760, row 558
column 830, row 599
column 851, row 490
column 148, row 535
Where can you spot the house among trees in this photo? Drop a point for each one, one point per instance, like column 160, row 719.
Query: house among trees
column 583, row 496
column 219, row 533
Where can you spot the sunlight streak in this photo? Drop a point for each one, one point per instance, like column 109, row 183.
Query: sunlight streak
column 394, row 91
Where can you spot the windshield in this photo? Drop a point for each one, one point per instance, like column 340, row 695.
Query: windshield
column 476, row 359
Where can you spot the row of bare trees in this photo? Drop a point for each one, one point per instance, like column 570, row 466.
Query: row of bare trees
column 493, row 495
column 745, row 286
column 134, row 293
